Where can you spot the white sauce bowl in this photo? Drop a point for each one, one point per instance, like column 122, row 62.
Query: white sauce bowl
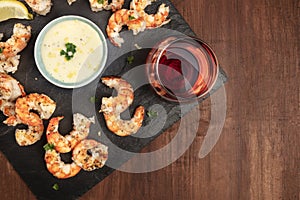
column 89, row 59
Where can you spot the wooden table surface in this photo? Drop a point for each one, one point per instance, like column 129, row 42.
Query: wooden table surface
column 257, row 155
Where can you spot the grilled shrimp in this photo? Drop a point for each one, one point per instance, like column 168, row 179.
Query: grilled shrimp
column 41, row 103
column 10, row 90
column 97, row 5
column 112, row 108
column 136, row 19
column 90, row 155
column 25, row 137
column 157, row 20
column 10, row 65
column 120, row 102
column 121, row 18
column 116, row 5
column 9, row 60
column 57, row 167
column 29, row 136
column 125, row 127
column 140, row 5
column 64, row 144
column 41, row 7
column 17, row 42
column 152, row 20
column 7, row 107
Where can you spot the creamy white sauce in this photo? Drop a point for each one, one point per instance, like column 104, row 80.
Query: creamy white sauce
column 87, row 57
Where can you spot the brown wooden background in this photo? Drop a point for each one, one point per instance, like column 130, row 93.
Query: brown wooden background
column 258, row 155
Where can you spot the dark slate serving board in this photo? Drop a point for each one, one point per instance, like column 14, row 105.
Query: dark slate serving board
column 29, row 161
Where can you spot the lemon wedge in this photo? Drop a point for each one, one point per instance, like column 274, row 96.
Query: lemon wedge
column 13, row 9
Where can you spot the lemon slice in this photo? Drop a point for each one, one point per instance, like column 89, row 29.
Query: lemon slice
column 13, row 9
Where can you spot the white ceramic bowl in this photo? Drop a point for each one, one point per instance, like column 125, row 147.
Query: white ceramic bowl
column 78, row 83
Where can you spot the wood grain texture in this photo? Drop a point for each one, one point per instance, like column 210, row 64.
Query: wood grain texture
column 257, row 155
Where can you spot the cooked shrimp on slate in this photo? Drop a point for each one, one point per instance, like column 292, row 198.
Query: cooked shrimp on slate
column 26, row 137
column 9, row 58
column 112, row 108
column 41, row 103
column 140, row 5
column 41, row 7
column 97, row 5
column 152, row 20
column 157, row 20
column 125, row 127
column 116, row 5
column 64, row 144
column 121, row 102
column 10, row 90
column 90, row 154
column 121, row 18
column 136, row 19
column 57, row 167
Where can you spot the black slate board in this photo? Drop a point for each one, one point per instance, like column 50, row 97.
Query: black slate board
column 29, row 161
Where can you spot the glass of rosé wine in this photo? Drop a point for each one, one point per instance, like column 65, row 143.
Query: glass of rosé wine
column 182, row 69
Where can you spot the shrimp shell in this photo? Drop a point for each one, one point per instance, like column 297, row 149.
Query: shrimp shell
column 90, row 155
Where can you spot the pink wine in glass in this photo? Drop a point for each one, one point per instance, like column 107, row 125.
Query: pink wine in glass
column 182, row 68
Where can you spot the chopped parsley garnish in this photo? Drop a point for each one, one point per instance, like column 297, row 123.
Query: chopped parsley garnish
column 100, row 1
column 152, row 114
column 69, row 52
column 48, row 147
column 93, row 99
column 131, row 17
column 1, row 50
column 55, row 187
column 130, row 59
